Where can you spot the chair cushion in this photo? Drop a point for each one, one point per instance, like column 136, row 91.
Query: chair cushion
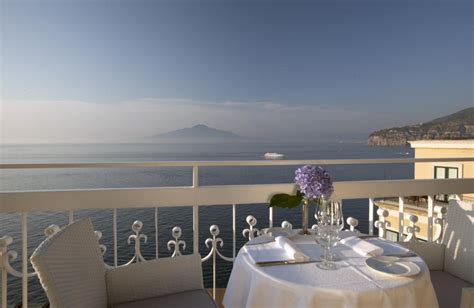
column 448, row 288
column 459, row 255
column 195, row 299
column 71, row 268
column 154, row 278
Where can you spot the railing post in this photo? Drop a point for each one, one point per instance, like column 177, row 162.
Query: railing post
column 214, row 274
column 252, row 231
column 371, row 216
column 430, row 218
column 24, row 259
column 439, row 221
column 353, row 223
column 195, row 213
column 156, row 232
column 4, row 288
column 287, row 225
column 176, row 233
column 401, row 218
column 270, row 217
column 412, row 229
column 71, row 216
column 381, row 223
column 234, row 229
column 114, row 231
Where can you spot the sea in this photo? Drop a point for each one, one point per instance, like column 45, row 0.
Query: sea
column 47, row 179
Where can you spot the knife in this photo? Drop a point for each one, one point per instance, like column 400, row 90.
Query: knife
column 362, row 237
column 402, row 255
column 285, row 262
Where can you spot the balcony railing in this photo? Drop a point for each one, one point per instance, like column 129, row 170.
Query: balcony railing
column 196, row 196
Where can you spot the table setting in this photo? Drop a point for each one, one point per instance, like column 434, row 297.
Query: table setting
column 325, row 266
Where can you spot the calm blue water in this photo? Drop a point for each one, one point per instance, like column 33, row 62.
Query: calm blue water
column 153, row 177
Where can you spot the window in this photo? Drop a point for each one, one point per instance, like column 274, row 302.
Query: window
column 445, row 173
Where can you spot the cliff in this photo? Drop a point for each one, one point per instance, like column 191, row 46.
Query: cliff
column 459, row 125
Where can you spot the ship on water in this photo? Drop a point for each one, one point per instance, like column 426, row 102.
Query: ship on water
column 274, row 155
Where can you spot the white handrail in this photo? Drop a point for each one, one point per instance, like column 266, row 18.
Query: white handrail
column 59, row 200
column 230, row 163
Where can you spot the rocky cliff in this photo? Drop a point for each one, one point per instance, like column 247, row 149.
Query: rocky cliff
column 459, row 125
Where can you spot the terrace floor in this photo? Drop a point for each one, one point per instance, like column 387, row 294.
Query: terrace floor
column 219, row 296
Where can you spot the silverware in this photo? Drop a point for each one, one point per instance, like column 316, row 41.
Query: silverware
column 285, row 262
column 368, row 236
column 402, row 255
column 261, row 243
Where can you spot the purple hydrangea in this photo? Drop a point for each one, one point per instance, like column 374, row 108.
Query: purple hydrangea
column 314, row 182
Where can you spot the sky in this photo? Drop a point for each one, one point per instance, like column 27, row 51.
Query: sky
column 111, row 71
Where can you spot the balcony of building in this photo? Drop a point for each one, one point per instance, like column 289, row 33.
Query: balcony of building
column 233, row 224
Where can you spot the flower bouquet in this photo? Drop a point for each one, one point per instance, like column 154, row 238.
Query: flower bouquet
column 314, row 185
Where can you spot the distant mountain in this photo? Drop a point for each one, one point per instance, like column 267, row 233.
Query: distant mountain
column 197, row 133
column 459, row 125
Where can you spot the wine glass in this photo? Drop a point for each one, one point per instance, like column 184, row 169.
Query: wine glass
column 336, row 224
column 330, row 223
column 337, row 217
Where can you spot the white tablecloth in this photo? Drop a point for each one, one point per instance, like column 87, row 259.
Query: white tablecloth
column 353, row 284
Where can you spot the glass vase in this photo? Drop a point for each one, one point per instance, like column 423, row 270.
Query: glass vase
column 304, row 217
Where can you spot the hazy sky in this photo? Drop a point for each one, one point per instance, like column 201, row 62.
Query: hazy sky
column 79, row 71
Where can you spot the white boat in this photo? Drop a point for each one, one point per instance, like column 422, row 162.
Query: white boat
column 273, row 156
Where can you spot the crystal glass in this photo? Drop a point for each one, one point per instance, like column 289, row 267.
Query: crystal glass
column 330, row 223
column 320, row 215
column 337, row 217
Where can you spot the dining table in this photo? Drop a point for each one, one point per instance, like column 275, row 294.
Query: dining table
column 352, row 283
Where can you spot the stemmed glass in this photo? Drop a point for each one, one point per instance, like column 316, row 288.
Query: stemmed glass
column 330, row 223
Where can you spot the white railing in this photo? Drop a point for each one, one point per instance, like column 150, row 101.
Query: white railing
column 195, row 196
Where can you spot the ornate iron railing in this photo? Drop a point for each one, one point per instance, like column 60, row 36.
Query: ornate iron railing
column 24, row 202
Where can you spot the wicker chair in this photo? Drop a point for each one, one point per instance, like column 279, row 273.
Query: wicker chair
column 451, row 263
column 73, row 274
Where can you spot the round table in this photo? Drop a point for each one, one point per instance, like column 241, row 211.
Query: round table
column 353, row 284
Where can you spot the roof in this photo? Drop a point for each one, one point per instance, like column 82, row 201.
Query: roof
column 443, row 144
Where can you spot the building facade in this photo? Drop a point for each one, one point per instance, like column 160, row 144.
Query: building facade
column 417, row 205
column 444, row 170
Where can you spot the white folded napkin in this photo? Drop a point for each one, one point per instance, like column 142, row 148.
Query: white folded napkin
column 281, row 249
column 290, row 249
column 261, row 240
column 362, row 247
column 389, row 247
